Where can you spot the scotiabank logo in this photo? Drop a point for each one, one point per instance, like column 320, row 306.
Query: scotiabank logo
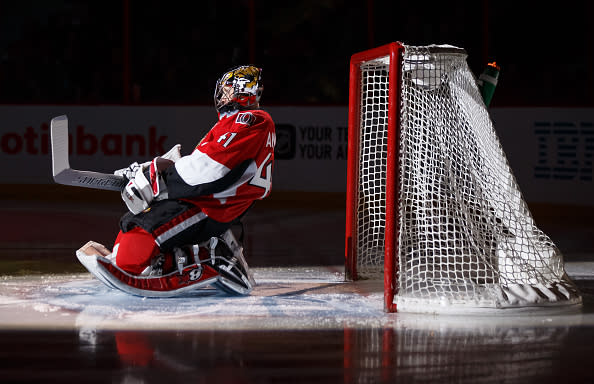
column 33, row 141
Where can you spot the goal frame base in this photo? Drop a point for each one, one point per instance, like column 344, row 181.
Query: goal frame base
column 437, row 308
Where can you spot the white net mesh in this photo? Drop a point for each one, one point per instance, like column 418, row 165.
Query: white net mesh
column 466, row 235
column 372, row 167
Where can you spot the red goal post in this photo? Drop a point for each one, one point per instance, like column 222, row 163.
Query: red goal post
column 394, row 52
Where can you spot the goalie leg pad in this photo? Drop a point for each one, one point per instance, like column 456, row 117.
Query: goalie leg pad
column 218, row 262
column 191, row 278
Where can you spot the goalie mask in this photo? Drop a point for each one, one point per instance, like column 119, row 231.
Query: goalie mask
column 240, row 88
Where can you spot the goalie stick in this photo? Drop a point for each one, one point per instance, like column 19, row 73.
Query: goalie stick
column 61, row 170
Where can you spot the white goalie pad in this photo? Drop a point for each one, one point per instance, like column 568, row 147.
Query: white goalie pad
column 96, row 259
column 228, row 273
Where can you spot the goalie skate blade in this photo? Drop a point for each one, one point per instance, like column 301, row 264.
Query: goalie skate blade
column 192, row 278
column 232, row 288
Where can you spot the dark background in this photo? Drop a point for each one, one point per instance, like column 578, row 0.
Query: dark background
column 172, row 52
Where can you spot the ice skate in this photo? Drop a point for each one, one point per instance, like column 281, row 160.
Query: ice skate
column 226, row 256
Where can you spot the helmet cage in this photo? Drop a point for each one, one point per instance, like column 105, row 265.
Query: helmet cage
column 239, row 88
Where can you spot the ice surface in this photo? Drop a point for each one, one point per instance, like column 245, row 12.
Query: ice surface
column 284, row 298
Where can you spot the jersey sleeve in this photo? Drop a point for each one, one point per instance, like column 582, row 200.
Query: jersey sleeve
column 225, row 156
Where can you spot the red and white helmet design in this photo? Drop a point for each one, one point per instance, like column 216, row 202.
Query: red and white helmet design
column 239, row 88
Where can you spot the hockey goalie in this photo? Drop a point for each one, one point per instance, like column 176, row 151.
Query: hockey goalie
column 177, row 234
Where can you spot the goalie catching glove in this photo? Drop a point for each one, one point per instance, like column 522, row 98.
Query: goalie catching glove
column 145, row 182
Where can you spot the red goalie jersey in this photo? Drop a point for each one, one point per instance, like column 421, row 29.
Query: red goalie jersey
column 230, row 167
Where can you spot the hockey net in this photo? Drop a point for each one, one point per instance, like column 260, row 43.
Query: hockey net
column 432, row 204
